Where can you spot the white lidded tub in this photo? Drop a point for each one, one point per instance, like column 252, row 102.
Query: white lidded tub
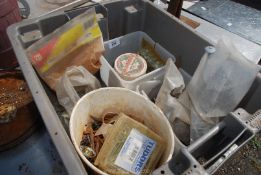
column 122, row 100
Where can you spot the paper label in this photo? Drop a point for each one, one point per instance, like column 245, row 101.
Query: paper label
column 135, row 152
column 129, row 64
column 114, row 43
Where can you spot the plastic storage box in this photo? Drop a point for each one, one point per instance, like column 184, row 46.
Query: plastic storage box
column 130, row 43
column 120, row 18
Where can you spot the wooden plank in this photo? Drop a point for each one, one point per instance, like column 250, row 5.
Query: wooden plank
column 189, row 22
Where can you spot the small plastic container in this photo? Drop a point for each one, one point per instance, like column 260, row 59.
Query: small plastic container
column 130, row 43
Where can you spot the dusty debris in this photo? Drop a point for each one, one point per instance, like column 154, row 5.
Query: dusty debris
column 247, row 159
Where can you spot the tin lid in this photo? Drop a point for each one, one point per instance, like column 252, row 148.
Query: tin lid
column 130, row 66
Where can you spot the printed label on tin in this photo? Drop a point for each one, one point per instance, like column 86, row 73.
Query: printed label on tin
column 135, row 152
column 114, row 43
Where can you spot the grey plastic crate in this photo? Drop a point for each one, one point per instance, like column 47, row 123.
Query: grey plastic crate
column 47, row 24
column 124, row 17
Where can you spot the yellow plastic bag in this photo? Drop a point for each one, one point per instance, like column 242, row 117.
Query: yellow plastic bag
column 77, row 43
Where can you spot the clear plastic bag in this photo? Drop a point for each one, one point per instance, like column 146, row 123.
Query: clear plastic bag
column 170, row 99
column 74, row 79
column 221, row 81
column 77, row 43
column 149, row 89
column 199, row 126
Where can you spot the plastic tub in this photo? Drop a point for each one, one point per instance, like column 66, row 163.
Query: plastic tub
column 130, row 43
column 121, row 100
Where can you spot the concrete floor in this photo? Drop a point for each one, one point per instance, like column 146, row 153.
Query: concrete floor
column 36, row 155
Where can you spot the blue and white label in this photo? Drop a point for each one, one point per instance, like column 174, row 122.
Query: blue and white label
column 135, row 152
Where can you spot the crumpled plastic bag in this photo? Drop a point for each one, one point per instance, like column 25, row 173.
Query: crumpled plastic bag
column 74, row 78
column 149, row 89
column 170, row 99
column 219, row 83
column 200, row 126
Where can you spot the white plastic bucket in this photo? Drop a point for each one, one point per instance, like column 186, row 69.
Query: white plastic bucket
column 121, row 100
